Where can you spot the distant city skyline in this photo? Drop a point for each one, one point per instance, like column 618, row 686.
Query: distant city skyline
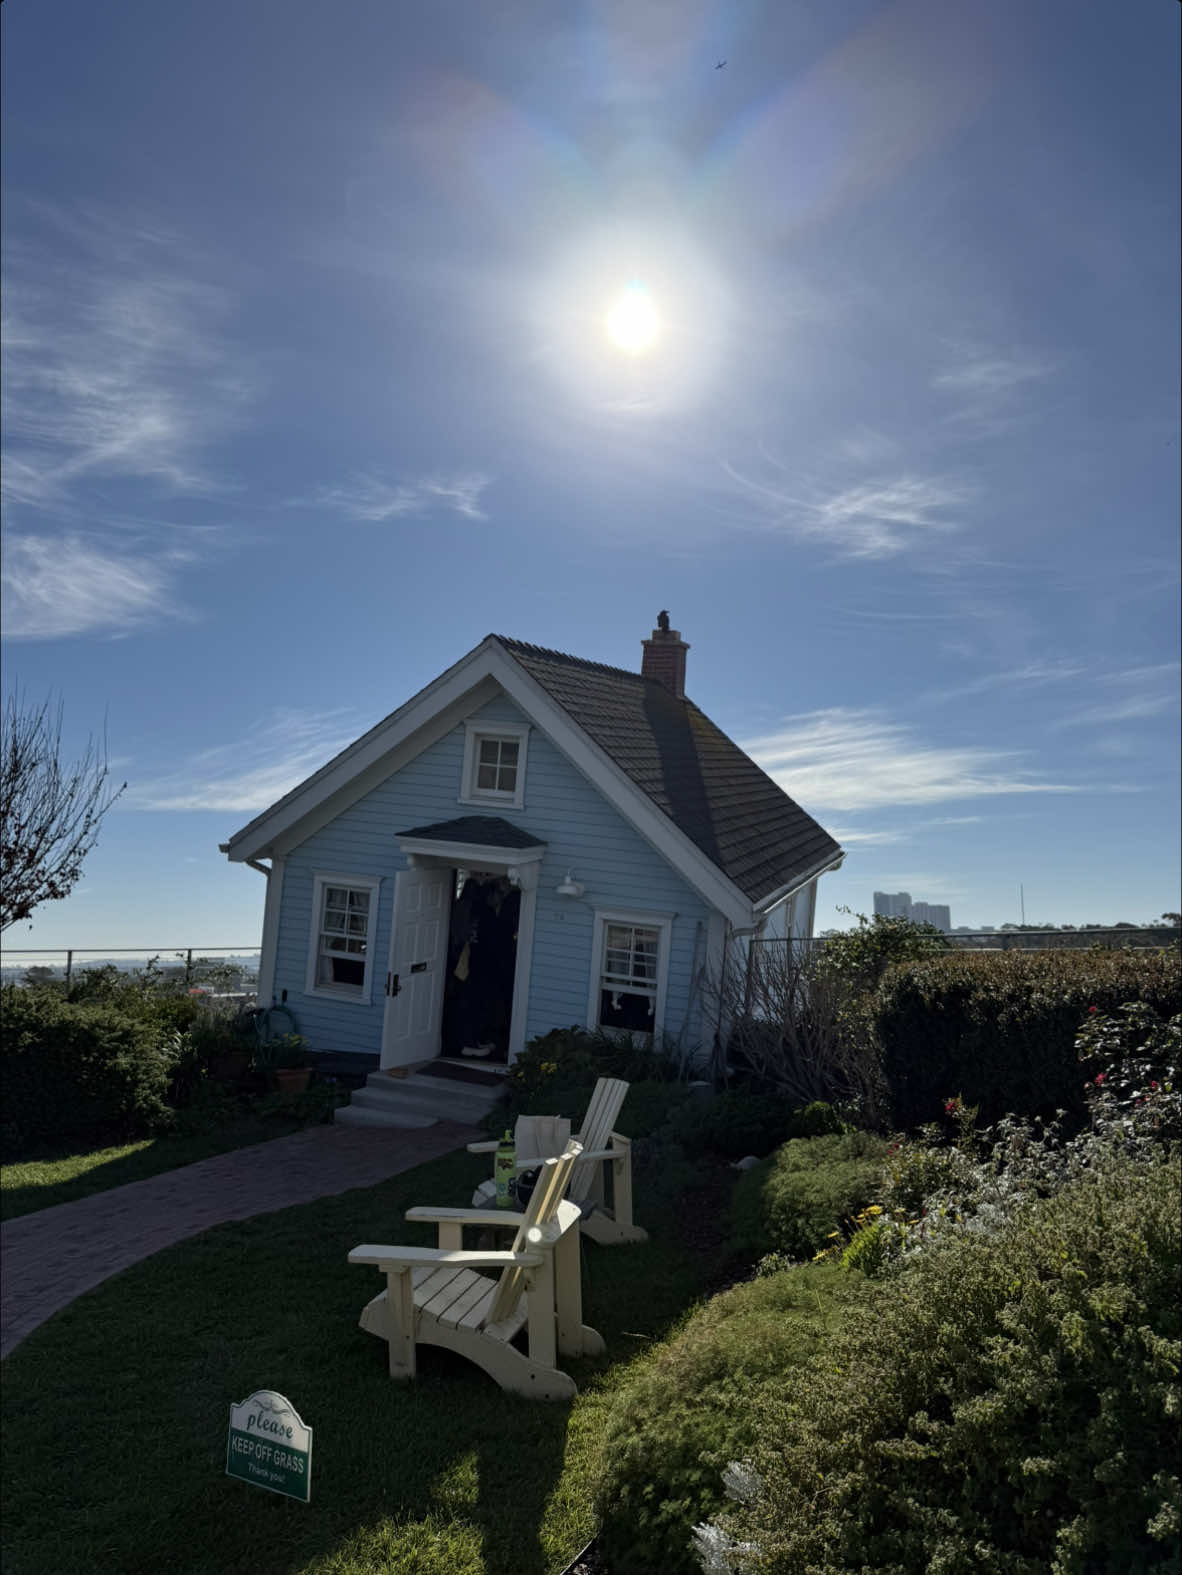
column 898, row 904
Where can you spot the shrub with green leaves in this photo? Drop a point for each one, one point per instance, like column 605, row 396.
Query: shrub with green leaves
column 1000, row 1028
column 79, row 1070
column 740, row 1121
column 1012, row 1406
column 693, row 1404
column 796, row 1199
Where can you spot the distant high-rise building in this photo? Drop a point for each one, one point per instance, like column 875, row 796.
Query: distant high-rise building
column 893, row 904
column 898, row 905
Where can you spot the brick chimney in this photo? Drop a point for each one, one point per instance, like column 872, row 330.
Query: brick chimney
column 664, row 657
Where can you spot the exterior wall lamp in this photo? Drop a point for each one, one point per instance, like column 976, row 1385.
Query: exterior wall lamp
column 568, row 886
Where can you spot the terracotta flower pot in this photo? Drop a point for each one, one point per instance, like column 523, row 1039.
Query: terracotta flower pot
column 293, row 1079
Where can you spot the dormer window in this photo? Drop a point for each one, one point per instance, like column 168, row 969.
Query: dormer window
column 494, row 764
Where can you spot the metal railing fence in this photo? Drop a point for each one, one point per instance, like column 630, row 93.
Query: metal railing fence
column 189, row 962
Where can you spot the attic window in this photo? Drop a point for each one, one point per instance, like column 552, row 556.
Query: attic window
column 494, row 764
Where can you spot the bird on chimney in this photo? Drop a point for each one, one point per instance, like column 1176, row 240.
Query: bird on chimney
column 663, row 621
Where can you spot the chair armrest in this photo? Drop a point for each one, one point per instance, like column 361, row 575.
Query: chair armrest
column 520, row 1163
column 600, row 1153
column 484, row 1148
column 430, row 1216
column 433, row 1257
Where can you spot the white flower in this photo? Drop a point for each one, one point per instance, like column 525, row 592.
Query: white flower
column 718, row 1552
column 741, row 1482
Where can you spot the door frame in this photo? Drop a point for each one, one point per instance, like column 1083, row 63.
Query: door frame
column 521, row 867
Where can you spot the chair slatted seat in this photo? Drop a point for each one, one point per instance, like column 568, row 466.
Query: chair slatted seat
column 438, row 1296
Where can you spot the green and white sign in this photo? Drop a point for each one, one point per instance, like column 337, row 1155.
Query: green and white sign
column 269, row 1446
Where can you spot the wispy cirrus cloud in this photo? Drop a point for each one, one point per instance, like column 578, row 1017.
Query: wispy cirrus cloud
column 869, row 519
column 373, row 501
column 117, row 362
column 1032, row 675
column 845, row 759
column 250, row 773
column 56, row 586
column 990, row 388
column 1134, row 694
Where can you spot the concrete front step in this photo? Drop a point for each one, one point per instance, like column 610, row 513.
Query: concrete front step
column 416, row 1100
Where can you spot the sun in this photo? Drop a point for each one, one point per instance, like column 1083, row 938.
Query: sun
column 632, row 321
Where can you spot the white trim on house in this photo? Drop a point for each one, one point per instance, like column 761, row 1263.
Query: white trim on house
column 320, row 880
column 663, row 924
column 471, row 855
column 476, row 733
column 831, row 861
column 520, row 865
column 428, row 716
column 270, row 940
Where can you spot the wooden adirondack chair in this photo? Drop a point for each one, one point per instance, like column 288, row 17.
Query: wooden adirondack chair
column 435, row 1296
column 601, row 1146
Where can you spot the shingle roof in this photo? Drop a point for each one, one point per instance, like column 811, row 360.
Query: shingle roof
column 730, row 808
column 489, row 831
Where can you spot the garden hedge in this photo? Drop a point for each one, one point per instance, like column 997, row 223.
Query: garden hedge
column 999, row 1028
column 1011, row 1408
column 77, row 1071
column 809, row 1188
column 692, row 1405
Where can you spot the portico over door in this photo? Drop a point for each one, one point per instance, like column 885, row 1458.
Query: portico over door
column 418, row 954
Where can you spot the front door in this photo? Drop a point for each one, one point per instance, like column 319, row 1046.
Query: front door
column 418, row 953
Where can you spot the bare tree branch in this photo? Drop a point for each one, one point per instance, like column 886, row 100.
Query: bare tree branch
column 49, row 811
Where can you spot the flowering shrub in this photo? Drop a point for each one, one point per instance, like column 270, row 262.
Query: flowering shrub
column 795, row 1199
column 1012, row 1404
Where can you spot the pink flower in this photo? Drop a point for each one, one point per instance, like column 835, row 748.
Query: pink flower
column 1099, row 1077
column 950, row 1106
column 1091, row 1009
column 1153, row 1085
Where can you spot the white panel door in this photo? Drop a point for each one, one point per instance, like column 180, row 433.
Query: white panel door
column 418, row 956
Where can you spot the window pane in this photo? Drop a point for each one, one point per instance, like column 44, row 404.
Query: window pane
column 336, row 896
column 358, row 923
column 508, row 751
column 359, row 901
column 626, row 1009
column 489, row 751
column 334, row 919
column 507, row 779
column 486, row 777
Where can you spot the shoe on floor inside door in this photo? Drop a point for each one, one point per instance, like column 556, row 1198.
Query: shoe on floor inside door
column 478, row 1050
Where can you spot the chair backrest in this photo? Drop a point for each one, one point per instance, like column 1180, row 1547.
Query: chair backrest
column 606, row 1098
column 540, row 1137
column 541, row 1212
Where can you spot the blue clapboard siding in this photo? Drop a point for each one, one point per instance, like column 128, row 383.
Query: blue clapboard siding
column 583, row 832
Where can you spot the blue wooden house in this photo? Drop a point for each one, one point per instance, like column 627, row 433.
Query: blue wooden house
column 533, row 840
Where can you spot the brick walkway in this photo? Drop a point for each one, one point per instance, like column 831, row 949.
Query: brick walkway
column 49, row 1258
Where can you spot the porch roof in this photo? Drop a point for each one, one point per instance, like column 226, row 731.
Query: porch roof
column 485, row 831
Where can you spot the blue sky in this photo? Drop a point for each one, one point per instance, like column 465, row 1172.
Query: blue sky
column 308, row 388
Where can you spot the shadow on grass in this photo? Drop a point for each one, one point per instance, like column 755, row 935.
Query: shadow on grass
column 118, row 1409
column 80, row 1179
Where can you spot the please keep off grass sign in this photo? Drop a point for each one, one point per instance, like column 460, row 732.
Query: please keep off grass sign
column 269, row 1446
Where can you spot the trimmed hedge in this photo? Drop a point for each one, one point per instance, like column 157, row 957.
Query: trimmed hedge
column 738, row 1122
column 795, row 1200
column 999, row 1029
column 77, row 1070
column 691, row 1406
column 1011, row 1407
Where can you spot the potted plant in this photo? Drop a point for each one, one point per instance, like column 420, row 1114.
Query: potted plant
column 292, row 1062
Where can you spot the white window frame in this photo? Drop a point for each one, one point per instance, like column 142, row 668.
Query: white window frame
column 661, row 922
column 320, row 880
column 504, row 732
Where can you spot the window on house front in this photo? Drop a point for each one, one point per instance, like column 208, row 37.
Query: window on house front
column 494, row 764
column 629, row 989
column 344, row 918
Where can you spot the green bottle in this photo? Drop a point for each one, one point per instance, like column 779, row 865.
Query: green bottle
column 505, row 1171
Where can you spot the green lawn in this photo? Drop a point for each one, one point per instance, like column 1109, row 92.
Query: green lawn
column 117, row 1409
column 39, row 1183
